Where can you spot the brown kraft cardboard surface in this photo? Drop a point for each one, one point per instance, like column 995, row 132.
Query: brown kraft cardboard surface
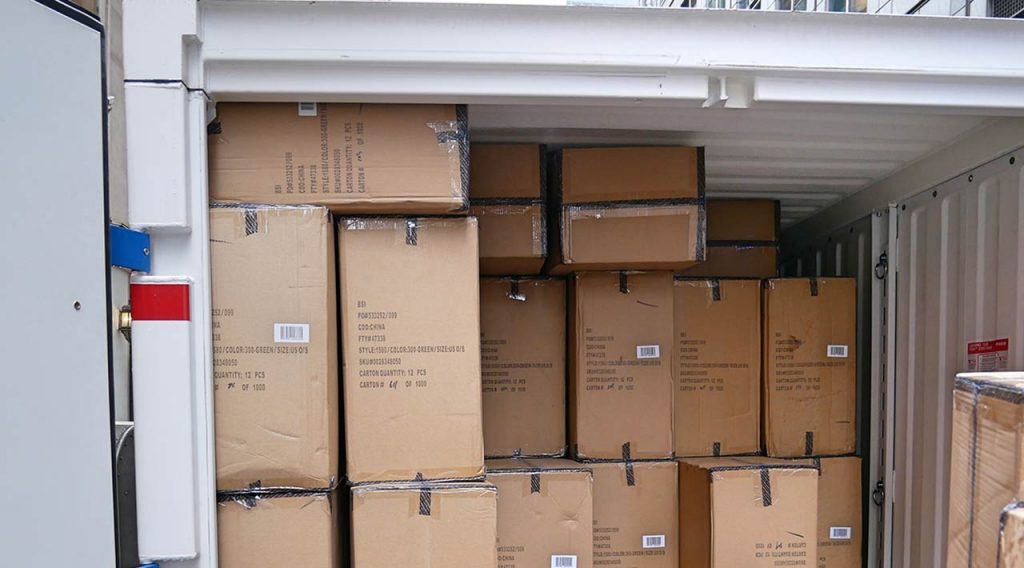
column 274, row 347
column 522, row 332
column 410, row 315
column 1011, row 536
column 810, row 366
column 270, row 531
column 353, row 158
column 839, row 513
column 636, row 514
column 751, row 512
column 742, row 239
column 718, row 367
column 620, row 365
column 627, row 208
column 545, row 513
column 424, row 525
column 985, row 463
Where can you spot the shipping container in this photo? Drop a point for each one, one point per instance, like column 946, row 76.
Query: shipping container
column 894, row 143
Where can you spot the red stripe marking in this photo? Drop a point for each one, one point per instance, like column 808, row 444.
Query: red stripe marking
column 156, row 302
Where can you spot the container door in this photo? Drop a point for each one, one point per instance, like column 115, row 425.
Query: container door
column 55, row 384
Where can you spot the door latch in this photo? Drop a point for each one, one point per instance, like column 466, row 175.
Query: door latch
column 878, row 495
column 882, row 267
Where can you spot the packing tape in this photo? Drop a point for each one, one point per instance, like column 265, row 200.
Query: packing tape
column 814, row 286
column 623, row 283
column 535, row 483
column 808, row 443
column 411, row 231
column 716, row 289
column 252, row 225
column 514, row 292
column 425, row 497
column 627, row 458
column 766, row 487
column 716, row 449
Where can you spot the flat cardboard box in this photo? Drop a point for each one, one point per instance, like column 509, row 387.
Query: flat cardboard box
column 522, row 333
column 718, row 367
column 507, row 188
column 810, row 366
column 636, row 514
column 268, row 530
column 410, row 316
column 545, row 512
column 620, row 365
column 353, row 158
column 275, row 349
column 627, row 208
column 751, row 512
column 424, row 525
column 839, row 513
column 985, row 457
column 743, row 239
column 1011, row 536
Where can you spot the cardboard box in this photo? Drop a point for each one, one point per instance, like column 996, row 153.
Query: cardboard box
column 522, row 332
column 275, row 349
column 424, row 525
column 545, row 513
column 839, row 513
column 507, row 190
column 270, row 530
column 1011, row 536
column 985, row 472
column 636, row 514
column 620, row 365
column 810, row 366
column 627, row 208
column 743, row 239
column 718, row 367
column 353, row 158
column 410, row 316
column 751, row 512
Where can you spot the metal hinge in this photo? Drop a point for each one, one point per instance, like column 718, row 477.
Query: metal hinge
column 129, row 248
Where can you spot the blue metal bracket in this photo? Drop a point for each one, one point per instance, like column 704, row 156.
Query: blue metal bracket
column 129, row 249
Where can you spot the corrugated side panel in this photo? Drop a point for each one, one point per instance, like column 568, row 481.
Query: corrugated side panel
column 959, row 277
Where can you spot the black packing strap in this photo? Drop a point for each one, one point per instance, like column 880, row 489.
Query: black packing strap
column 814, row 286
column 808, row 443
column 252, row 224
column 716, row 449
column 627, row 457
column 518, row 453
column 424, row 497
column 623, row 283
column 817, row 464
column 410, row 232
column 766, row 487
column 513, row 291
column 716, row 289
column 534, row 483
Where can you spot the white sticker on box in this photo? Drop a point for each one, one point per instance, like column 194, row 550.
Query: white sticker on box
column 987, row 356
column 291, row 333
column 654, row 541
column 307, row 109
column 648, row 352
column 838, row 351
column 563, row 561
column 840, row 533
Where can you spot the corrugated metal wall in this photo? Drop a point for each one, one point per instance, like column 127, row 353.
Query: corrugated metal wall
column 960, row 278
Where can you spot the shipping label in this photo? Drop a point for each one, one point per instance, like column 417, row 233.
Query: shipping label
column 986, row 356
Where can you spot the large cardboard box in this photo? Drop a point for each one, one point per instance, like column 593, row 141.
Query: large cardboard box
column 839, row 513
column 620, row 365
column 507, row 187
column 985, row 463
column 636, row 514
column 718, row 367
column 410, row 316
column 810, row 366
column 627, row 208
column 424, row 525
column 275, row 529
column 751, row 512
column 522, row 334
column 275, row 349
column 545, row 513
column 743, row 239
column 1011, row 536
column 353, row 158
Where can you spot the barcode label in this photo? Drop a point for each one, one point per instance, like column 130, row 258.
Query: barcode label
column 563, row 561
column 654, row 541
column 307, row 109
column 291, row 333
column 838, row 351
column 840, row 533
column 648, row 351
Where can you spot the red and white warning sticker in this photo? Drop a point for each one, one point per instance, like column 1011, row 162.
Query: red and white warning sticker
column 990, row 355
